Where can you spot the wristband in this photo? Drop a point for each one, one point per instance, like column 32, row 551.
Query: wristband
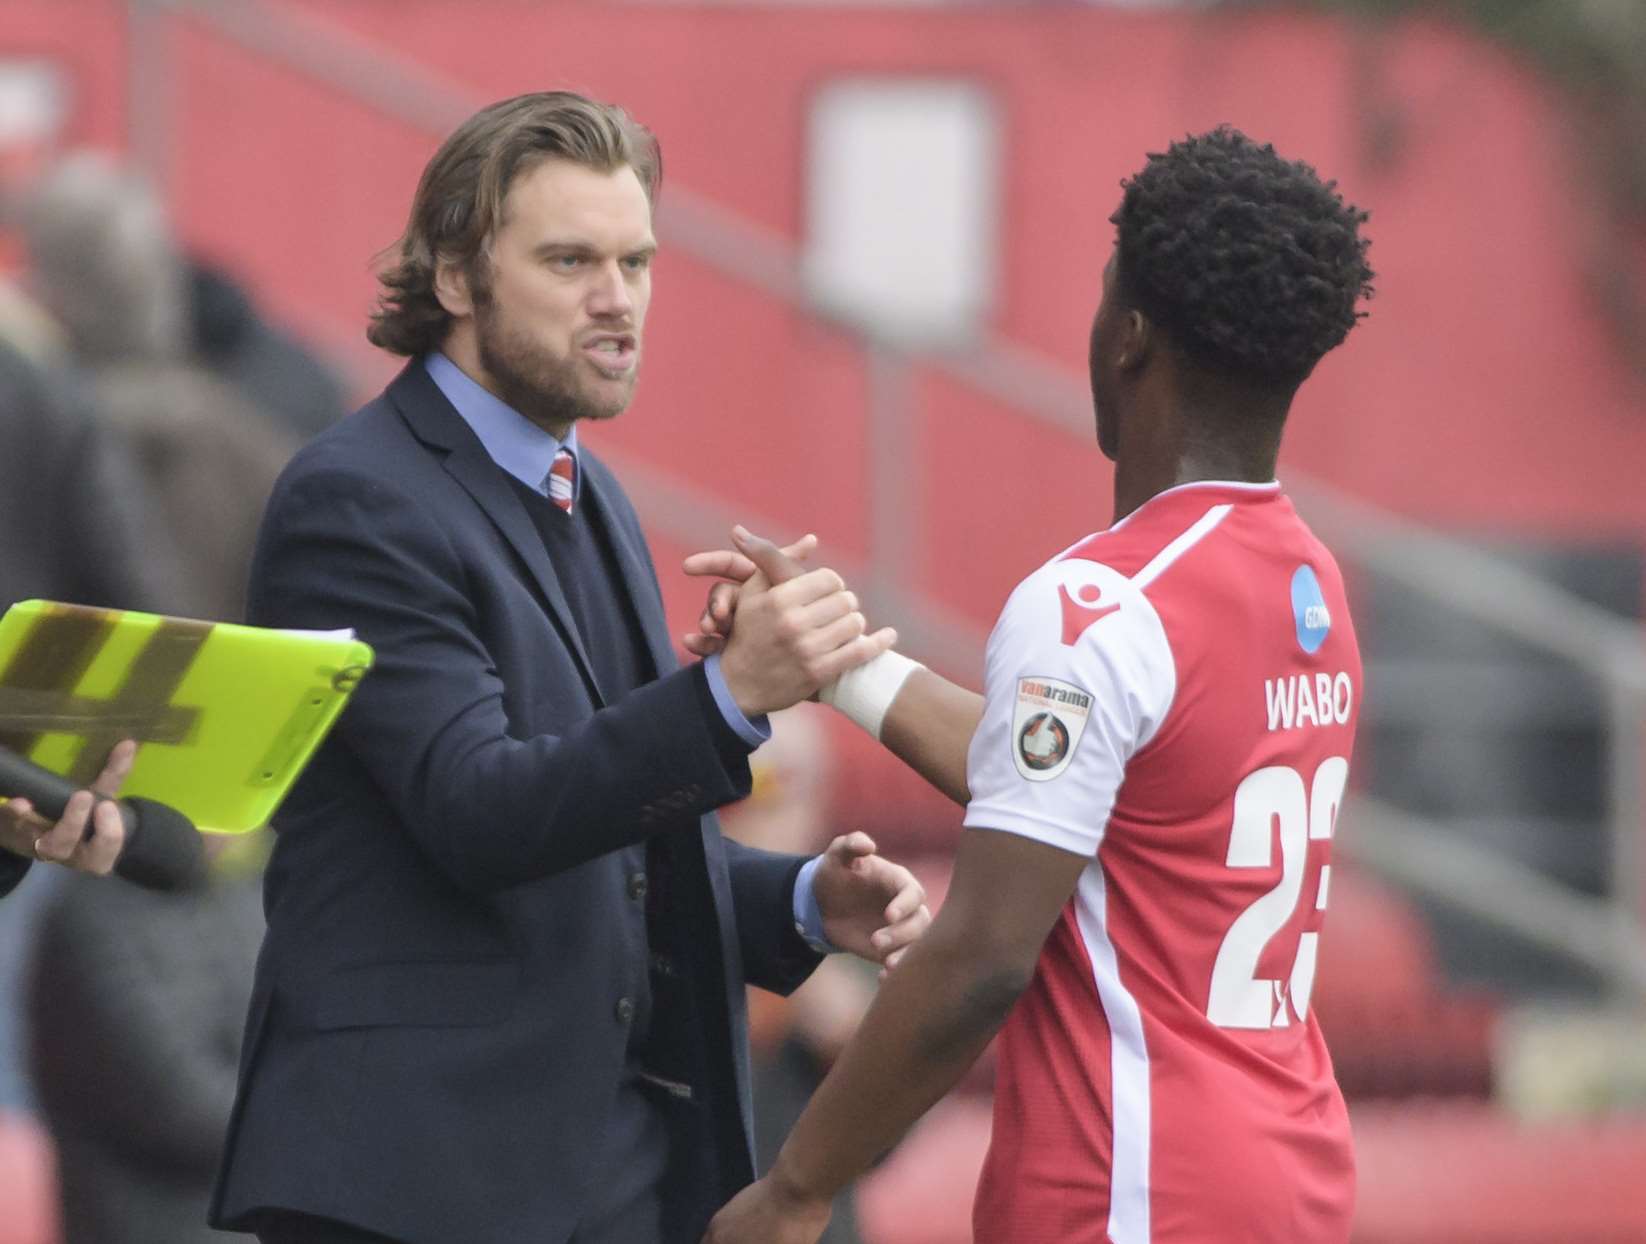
column 866, row 693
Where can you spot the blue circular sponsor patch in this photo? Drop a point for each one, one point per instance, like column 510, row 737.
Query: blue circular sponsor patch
column 1314, row 620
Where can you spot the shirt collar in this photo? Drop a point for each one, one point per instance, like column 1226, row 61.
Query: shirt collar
column 1212, row 490
column 512, row 441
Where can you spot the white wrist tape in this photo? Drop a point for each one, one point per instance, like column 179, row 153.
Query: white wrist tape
column 865, row 693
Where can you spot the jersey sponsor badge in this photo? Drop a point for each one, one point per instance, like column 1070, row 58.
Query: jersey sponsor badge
column 1314, row 620
column 1047, row 722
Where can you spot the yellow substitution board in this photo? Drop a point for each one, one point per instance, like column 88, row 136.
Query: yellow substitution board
column 225, row 716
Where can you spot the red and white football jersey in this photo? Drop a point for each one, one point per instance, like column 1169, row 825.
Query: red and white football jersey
column 1175, row 698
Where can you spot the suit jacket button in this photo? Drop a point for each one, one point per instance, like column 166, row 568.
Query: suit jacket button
column 637, row 886
column 625, row 1010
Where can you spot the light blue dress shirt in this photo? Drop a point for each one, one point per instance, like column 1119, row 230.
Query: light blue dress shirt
column 526, row 451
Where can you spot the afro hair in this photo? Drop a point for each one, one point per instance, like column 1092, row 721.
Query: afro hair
column 1250, row 261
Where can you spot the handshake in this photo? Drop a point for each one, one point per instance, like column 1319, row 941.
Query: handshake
column 797, row 630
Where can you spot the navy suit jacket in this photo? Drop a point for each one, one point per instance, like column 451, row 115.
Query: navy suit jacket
column 437, row 1030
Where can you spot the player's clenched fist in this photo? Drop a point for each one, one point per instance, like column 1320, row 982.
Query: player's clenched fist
column 792, row 637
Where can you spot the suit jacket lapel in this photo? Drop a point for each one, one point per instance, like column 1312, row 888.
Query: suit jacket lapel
column 435, row 423
column 638, row 579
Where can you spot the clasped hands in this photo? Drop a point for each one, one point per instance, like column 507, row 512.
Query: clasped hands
column 797, row 630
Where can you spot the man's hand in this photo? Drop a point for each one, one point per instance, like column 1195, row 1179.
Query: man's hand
column 24, row 832
column 729, row 565
column 871, row 907
column 792, row 637
column 760, row 1214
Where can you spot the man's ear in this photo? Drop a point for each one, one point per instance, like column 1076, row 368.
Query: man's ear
column 451, row 287
column 1136, row 341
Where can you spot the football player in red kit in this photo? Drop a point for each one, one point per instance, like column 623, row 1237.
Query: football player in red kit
column 1152, row 779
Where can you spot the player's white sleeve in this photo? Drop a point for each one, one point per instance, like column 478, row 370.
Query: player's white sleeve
column 1078, row 677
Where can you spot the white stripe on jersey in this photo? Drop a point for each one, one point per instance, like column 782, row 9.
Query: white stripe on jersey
column 1161, row 560
column 1128, row 1068
column 1128, row 1053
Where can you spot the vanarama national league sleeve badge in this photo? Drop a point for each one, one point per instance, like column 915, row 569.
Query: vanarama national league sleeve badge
column 1047, row 722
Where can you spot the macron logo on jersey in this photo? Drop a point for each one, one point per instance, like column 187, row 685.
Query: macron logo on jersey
column 1077, row 617
column 1314, row 620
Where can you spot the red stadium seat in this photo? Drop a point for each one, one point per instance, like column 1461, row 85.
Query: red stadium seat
column 1444, row 1172
column 1394, row 1026
column 922, row 1194
column 1430, row 1173
column 1376, row 952
column 28, row 1183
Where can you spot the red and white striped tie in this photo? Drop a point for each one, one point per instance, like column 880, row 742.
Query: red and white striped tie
column 562, row 480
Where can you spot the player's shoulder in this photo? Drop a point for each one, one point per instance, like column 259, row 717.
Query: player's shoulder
column 1078, row 636
column 1078, row 613
column 1171, row 524
column 1072, row 589
column 1195, row 541
column 1122, row 561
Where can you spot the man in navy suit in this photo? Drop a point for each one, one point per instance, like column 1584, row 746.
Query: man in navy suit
column 501, row 995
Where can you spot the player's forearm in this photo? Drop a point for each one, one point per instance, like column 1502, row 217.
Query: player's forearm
column 936, row 1013
column 929, row 727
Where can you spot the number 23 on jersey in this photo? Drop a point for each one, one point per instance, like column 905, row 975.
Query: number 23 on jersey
column 1239, row 997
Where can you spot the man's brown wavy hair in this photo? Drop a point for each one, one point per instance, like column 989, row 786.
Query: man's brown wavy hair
column 459, row 202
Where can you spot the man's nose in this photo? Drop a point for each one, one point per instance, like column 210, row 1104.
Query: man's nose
column 610, row 294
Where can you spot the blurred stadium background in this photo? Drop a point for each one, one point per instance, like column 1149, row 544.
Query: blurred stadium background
column 883, row 226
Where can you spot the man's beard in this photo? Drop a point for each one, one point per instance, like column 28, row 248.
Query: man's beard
column 542, row 386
